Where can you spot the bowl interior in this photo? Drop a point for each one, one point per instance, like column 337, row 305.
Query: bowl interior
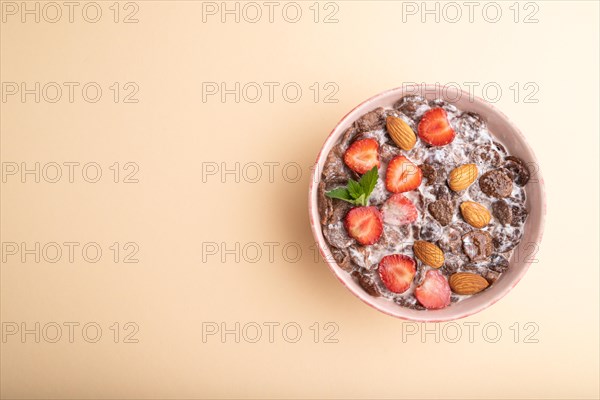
column 501, row 127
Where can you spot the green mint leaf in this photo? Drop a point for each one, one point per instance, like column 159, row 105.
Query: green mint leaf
column 356, row 193
column 340, row 193
column 355, row 189
column 362, row 200
column 368, row 181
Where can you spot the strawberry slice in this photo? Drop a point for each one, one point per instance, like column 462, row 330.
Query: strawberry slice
column 434, row 292
column 397, row 272
column 362, row 155
column 399, row 210
column 364, row 224
column 402, row 175
column 435, row 129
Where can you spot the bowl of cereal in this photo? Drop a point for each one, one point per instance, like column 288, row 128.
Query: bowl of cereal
column 427, row 203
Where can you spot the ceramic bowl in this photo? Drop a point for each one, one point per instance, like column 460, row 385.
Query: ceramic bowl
column 502, row 128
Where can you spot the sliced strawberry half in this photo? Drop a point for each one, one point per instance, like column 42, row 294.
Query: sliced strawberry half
column 397, row 272
column 402, row 175
column 399, row 210
column 434, row 292
column 435, row 129
column 362, row 155
column 364, row 224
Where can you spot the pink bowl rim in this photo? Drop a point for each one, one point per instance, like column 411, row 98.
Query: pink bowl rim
column 315, row 223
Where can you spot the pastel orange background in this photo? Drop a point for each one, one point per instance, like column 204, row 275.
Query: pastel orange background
column 172, row 135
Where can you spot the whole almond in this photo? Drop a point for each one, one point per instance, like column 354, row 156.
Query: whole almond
column 475, row 214
column 467, row 283
column 462, row 177
column 401, row 133
column 429, row 253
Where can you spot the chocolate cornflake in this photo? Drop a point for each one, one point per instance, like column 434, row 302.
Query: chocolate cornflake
column 442, row 210
column 502, row 212
column 519, row 170
column 496, row 183
column 477, row 245
column 429, row 174
column 367, row 282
